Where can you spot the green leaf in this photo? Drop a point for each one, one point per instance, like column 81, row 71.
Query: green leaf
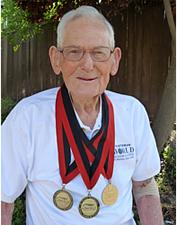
column 15, row 24
column 52, row 10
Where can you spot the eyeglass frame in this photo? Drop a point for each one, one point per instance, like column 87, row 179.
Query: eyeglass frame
column 84, row 51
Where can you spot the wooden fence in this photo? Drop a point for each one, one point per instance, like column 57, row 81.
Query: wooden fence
column 145, row 42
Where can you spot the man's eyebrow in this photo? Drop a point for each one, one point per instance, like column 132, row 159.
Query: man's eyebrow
column 72, row 46
column 78, row 46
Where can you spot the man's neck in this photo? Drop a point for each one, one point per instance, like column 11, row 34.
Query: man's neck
column 87, row 109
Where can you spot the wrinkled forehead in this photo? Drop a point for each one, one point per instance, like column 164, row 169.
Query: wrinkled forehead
column 86, row 19
column 92, row 29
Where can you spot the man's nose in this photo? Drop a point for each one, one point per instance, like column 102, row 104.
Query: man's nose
column 87, row 62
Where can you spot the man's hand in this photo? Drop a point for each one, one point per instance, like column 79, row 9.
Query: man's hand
column 148, row 202
column 6, row 213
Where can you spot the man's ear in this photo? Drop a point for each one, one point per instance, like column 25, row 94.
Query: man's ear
column 116, row 60
column 54, row 56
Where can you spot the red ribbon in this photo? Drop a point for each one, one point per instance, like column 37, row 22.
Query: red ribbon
column 107, row 152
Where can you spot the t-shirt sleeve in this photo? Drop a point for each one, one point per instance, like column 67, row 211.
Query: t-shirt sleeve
column 147, row 156
column 14, row 155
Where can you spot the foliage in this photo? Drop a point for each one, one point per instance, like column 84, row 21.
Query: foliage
column 168, row 167
column 19, row 214
column 15, row 24
column 6, row 106
column 166, row 180
column 52, row 11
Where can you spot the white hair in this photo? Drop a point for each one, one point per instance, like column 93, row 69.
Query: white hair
column 83, row 11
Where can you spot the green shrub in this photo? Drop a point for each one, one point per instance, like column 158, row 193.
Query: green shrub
column 167, row 181
column 15, row 24
column 19, row 214
column 6, row 106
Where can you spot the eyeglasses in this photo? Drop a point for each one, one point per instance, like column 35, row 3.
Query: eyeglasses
column 98, row 54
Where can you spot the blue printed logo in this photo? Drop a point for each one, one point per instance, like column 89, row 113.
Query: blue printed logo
column 124, row 152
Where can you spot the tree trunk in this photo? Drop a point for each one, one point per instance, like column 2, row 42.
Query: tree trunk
column 164, row 121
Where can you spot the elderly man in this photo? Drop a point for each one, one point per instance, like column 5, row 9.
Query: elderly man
column 80, row 150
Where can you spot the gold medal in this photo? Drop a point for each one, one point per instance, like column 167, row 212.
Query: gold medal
column 89, row 207
column 63, row 199
column 110, row 194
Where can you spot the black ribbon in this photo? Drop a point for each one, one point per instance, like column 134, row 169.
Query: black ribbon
column 80, row 137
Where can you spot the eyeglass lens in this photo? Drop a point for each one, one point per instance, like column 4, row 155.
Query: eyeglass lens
column 76, row 53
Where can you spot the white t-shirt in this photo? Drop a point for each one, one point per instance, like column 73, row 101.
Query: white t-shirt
column 30, row 160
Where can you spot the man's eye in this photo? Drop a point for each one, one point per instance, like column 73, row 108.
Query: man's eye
column 74, row 51
column 98, row 53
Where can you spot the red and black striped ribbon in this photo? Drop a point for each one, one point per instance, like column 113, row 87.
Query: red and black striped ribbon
column 91, row 157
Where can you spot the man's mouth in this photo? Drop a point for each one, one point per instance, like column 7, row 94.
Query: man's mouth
column 87, row 79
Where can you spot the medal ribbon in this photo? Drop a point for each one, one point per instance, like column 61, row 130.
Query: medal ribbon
column 92, row 157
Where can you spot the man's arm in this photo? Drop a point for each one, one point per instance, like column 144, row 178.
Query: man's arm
column 148, row 202
column 6, row 213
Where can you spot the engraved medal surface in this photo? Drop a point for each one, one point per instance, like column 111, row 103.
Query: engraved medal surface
column 63, row 199
column 89, row 207
column 110, row 194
